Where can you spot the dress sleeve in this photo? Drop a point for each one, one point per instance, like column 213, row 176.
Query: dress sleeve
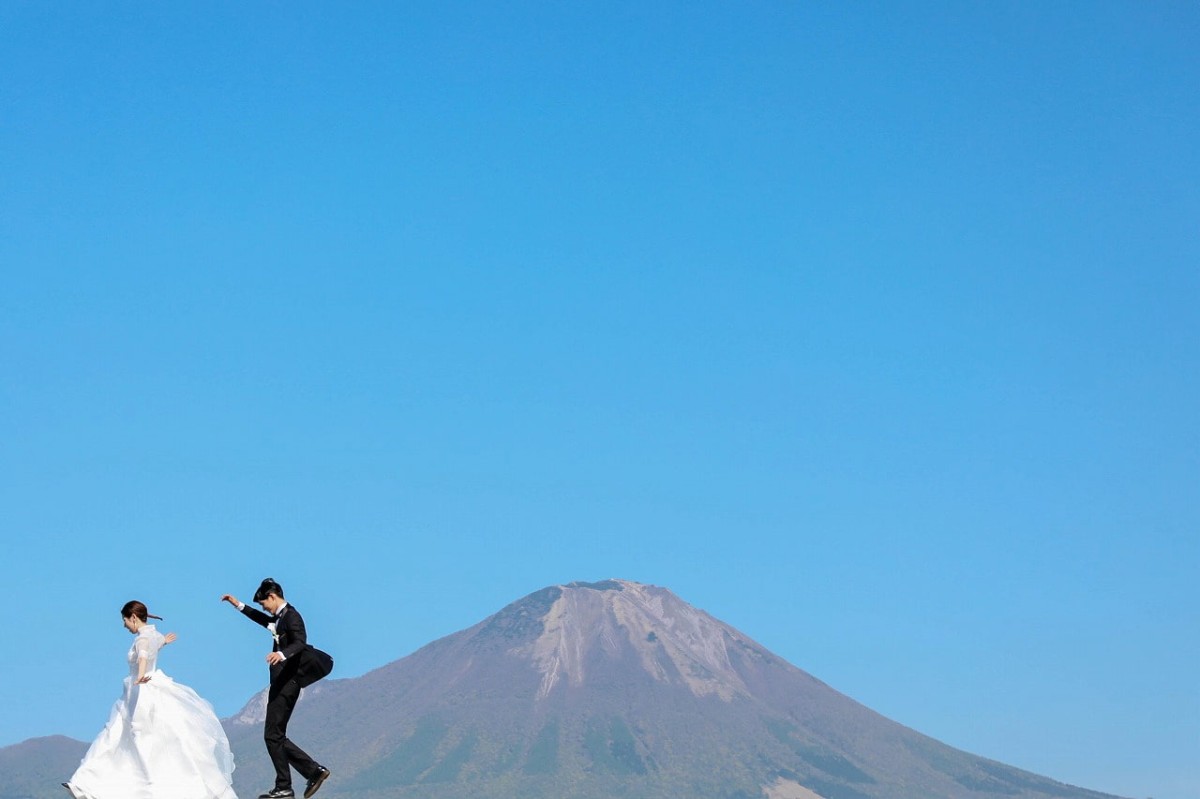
column 145, row 647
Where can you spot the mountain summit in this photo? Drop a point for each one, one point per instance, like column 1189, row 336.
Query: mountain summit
column 588, row 625
column 610, row 689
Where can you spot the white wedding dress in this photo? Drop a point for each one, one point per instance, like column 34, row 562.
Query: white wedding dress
column 162, row 740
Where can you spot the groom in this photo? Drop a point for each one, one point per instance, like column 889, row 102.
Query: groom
column 294, row 664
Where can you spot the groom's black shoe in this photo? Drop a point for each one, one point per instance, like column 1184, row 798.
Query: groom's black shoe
column 278, row 793
column 315, row 783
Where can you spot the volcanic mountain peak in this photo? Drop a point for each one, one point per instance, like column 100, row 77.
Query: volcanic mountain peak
column 672, row 641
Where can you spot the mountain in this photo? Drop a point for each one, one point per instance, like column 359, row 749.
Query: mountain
column 34, row 768
column 611, row 689
column 616, row 689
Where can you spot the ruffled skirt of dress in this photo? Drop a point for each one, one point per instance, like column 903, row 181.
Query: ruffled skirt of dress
column 162, row 741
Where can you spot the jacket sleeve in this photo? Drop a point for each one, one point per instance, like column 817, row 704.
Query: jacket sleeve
column 297, row 636
column 256, row 615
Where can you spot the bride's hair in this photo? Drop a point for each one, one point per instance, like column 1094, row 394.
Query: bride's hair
column 135, row 608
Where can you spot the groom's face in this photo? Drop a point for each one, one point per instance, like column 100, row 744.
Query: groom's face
column 271, row 603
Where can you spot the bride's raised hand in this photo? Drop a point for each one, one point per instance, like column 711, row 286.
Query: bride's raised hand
column 170, row 638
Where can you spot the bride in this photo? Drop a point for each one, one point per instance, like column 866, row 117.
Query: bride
column 162, row 741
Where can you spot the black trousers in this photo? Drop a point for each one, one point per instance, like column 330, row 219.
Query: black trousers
column 281, row 701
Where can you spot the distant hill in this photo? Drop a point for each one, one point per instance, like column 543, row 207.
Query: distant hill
column 592, row 691
column 34, row 768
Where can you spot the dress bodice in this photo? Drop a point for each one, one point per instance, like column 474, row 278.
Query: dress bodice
column 146, row 644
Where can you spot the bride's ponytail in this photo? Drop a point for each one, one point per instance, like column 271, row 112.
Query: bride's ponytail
column 135, row 608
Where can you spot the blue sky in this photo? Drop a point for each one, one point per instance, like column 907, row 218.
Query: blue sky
column 869, row 328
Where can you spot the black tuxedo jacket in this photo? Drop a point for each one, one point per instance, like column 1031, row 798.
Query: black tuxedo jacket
column 290, row 638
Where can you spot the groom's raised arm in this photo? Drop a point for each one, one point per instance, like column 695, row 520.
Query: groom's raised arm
column 255, row 615
column 247, row 611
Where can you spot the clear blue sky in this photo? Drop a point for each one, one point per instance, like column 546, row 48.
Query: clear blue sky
column 872, row 329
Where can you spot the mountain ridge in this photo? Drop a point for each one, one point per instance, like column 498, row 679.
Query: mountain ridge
column 613, row 688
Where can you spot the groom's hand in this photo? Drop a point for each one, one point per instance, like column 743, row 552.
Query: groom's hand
column 231, row 599
column 274, row 658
